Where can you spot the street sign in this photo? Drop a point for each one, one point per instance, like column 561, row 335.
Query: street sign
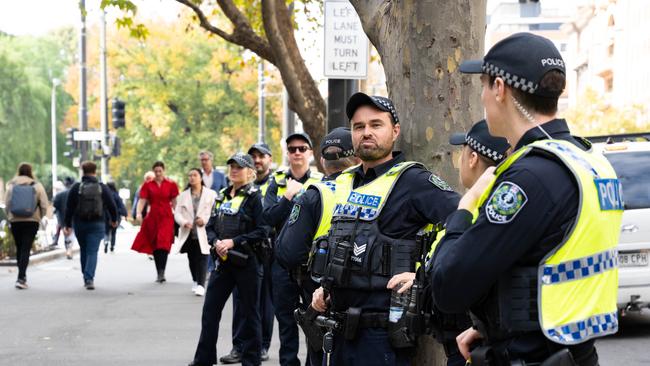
column 87, row 135
column 346, row 44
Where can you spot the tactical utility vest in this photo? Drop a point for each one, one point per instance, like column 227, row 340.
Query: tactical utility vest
column 577, row 282
column 360, row 256
column 231, row 219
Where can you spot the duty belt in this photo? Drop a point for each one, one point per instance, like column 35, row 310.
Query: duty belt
column 349, row 322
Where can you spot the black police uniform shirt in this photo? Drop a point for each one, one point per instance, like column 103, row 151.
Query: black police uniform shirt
column 276, row 211
column 252, row 207
column 470, row 257
column 294, row 241
column 417, row 199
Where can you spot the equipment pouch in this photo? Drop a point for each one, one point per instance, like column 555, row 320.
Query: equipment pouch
column 339, row 267
column 398, row 333
column 353, row 315
column 560, row 358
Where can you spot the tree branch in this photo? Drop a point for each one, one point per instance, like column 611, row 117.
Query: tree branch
column 242, row 34
column 370, row 11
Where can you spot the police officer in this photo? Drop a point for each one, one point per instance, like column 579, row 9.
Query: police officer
column 479, row 151
column 278, row 202
column 235, row 231
column 262, row 157
column 537, row 268
column 310, row 218
column 379, row 207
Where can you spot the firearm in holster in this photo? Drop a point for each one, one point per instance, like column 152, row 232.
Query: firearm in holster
column 414, row 320
column 314, row 333
column 488, row 356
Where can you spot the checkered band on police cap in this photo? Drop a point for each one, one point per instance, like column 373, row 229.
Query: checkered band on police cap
column 388, row 105
column 482, row 149
column 514, row 81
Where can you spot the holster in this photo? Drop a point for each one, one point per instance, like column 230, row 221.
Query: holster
column 313, row 333
column 560, row 358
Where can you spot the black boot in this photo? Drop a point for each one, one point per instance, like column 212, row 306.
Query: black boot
column 161, row 276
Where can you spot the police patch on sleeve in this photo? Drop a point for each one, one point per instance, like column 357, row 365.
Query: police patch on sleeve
column 505, row 203
column 438, row 182
column 295, row 213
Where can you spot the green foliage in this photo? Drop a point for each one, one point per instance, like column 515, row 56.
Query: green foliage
column 594, row 115
column 27, row 65
column 200, row 96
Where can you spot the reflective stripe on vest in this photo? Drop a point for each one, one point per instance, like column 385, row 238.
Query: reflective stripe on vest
column 326, row 190
column 281, row 181
column 578, row 279
column 229, row 206
column 264, row 187
column 367, row 201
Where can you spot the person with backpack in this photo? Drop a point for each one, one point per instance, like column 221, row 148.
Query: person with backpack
column 26, row 203
column 88, row 201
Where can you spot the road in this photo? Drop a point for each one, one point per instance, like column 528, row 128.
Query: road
column 130, row 320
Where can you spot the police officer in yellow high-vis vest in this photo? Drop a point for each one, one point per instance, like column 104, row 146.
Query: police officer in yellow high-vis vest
column 278, row 202
column 236, row 230
column 538, row 267
column 262, row 158
column 379, row 208
column 310, row 219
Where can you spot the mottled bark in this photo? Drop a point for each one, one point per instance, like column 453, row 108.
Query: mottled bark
column 421, row 43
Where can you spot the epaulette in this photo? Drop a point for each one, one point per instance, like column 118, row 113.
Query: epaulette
column 251, row 189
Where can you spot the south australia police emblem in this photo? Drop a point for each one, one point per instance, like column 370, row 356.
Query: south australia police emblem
column 505, row 203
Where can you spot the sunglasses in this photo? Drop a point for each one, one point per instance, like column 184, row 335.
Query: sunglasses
column 293, row 149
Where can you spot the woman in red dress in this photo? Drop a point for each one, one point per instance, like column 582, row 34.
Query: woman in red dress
column 156, row 234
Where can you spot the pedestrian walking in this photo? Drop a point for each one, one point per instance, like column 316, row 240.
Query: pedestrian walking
column 192, row 213
column 88, row 206
column 26, row 204
column 214, row 180
column 236, row 231
column 111, row 231
column 148, row 177
column 58, row 202
column 156, row 234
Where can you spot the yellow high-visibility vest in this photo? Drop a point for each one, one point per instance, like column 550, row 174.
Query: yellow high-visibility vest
column 578, row 280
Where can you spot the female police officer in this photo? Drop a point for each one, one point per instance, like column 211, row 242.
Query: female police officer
column 235, row 230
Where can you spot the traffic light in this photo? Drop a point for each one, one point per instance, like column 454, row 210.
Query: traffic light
column 70, row 142
column 118, row 113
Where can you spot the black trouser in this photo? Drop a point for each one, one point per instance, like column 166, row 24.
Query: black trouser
column 24, row 233
column 198, row 261
column 160, row 257
column 247, row 279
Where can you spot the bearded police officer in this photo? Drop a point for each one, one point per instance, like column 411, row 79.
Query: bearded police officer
column 310, row 219
column 278, row 202
column 538, row 267
column 262, row 157
column 379, row 207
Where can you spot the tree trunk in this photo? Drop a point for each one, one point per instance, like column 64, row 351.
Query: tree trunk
column 421, row 43
column 303, row 91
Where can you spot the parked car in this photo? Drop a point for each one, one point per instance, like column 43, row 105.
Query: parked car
column 631, row 161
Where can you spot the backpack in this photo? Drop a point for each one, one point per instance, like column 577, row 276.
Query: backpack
column 91, row 205
column 23, row 200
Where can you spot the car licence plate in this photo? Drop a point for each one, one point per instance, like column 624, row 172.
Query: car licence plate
column 633, row 259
